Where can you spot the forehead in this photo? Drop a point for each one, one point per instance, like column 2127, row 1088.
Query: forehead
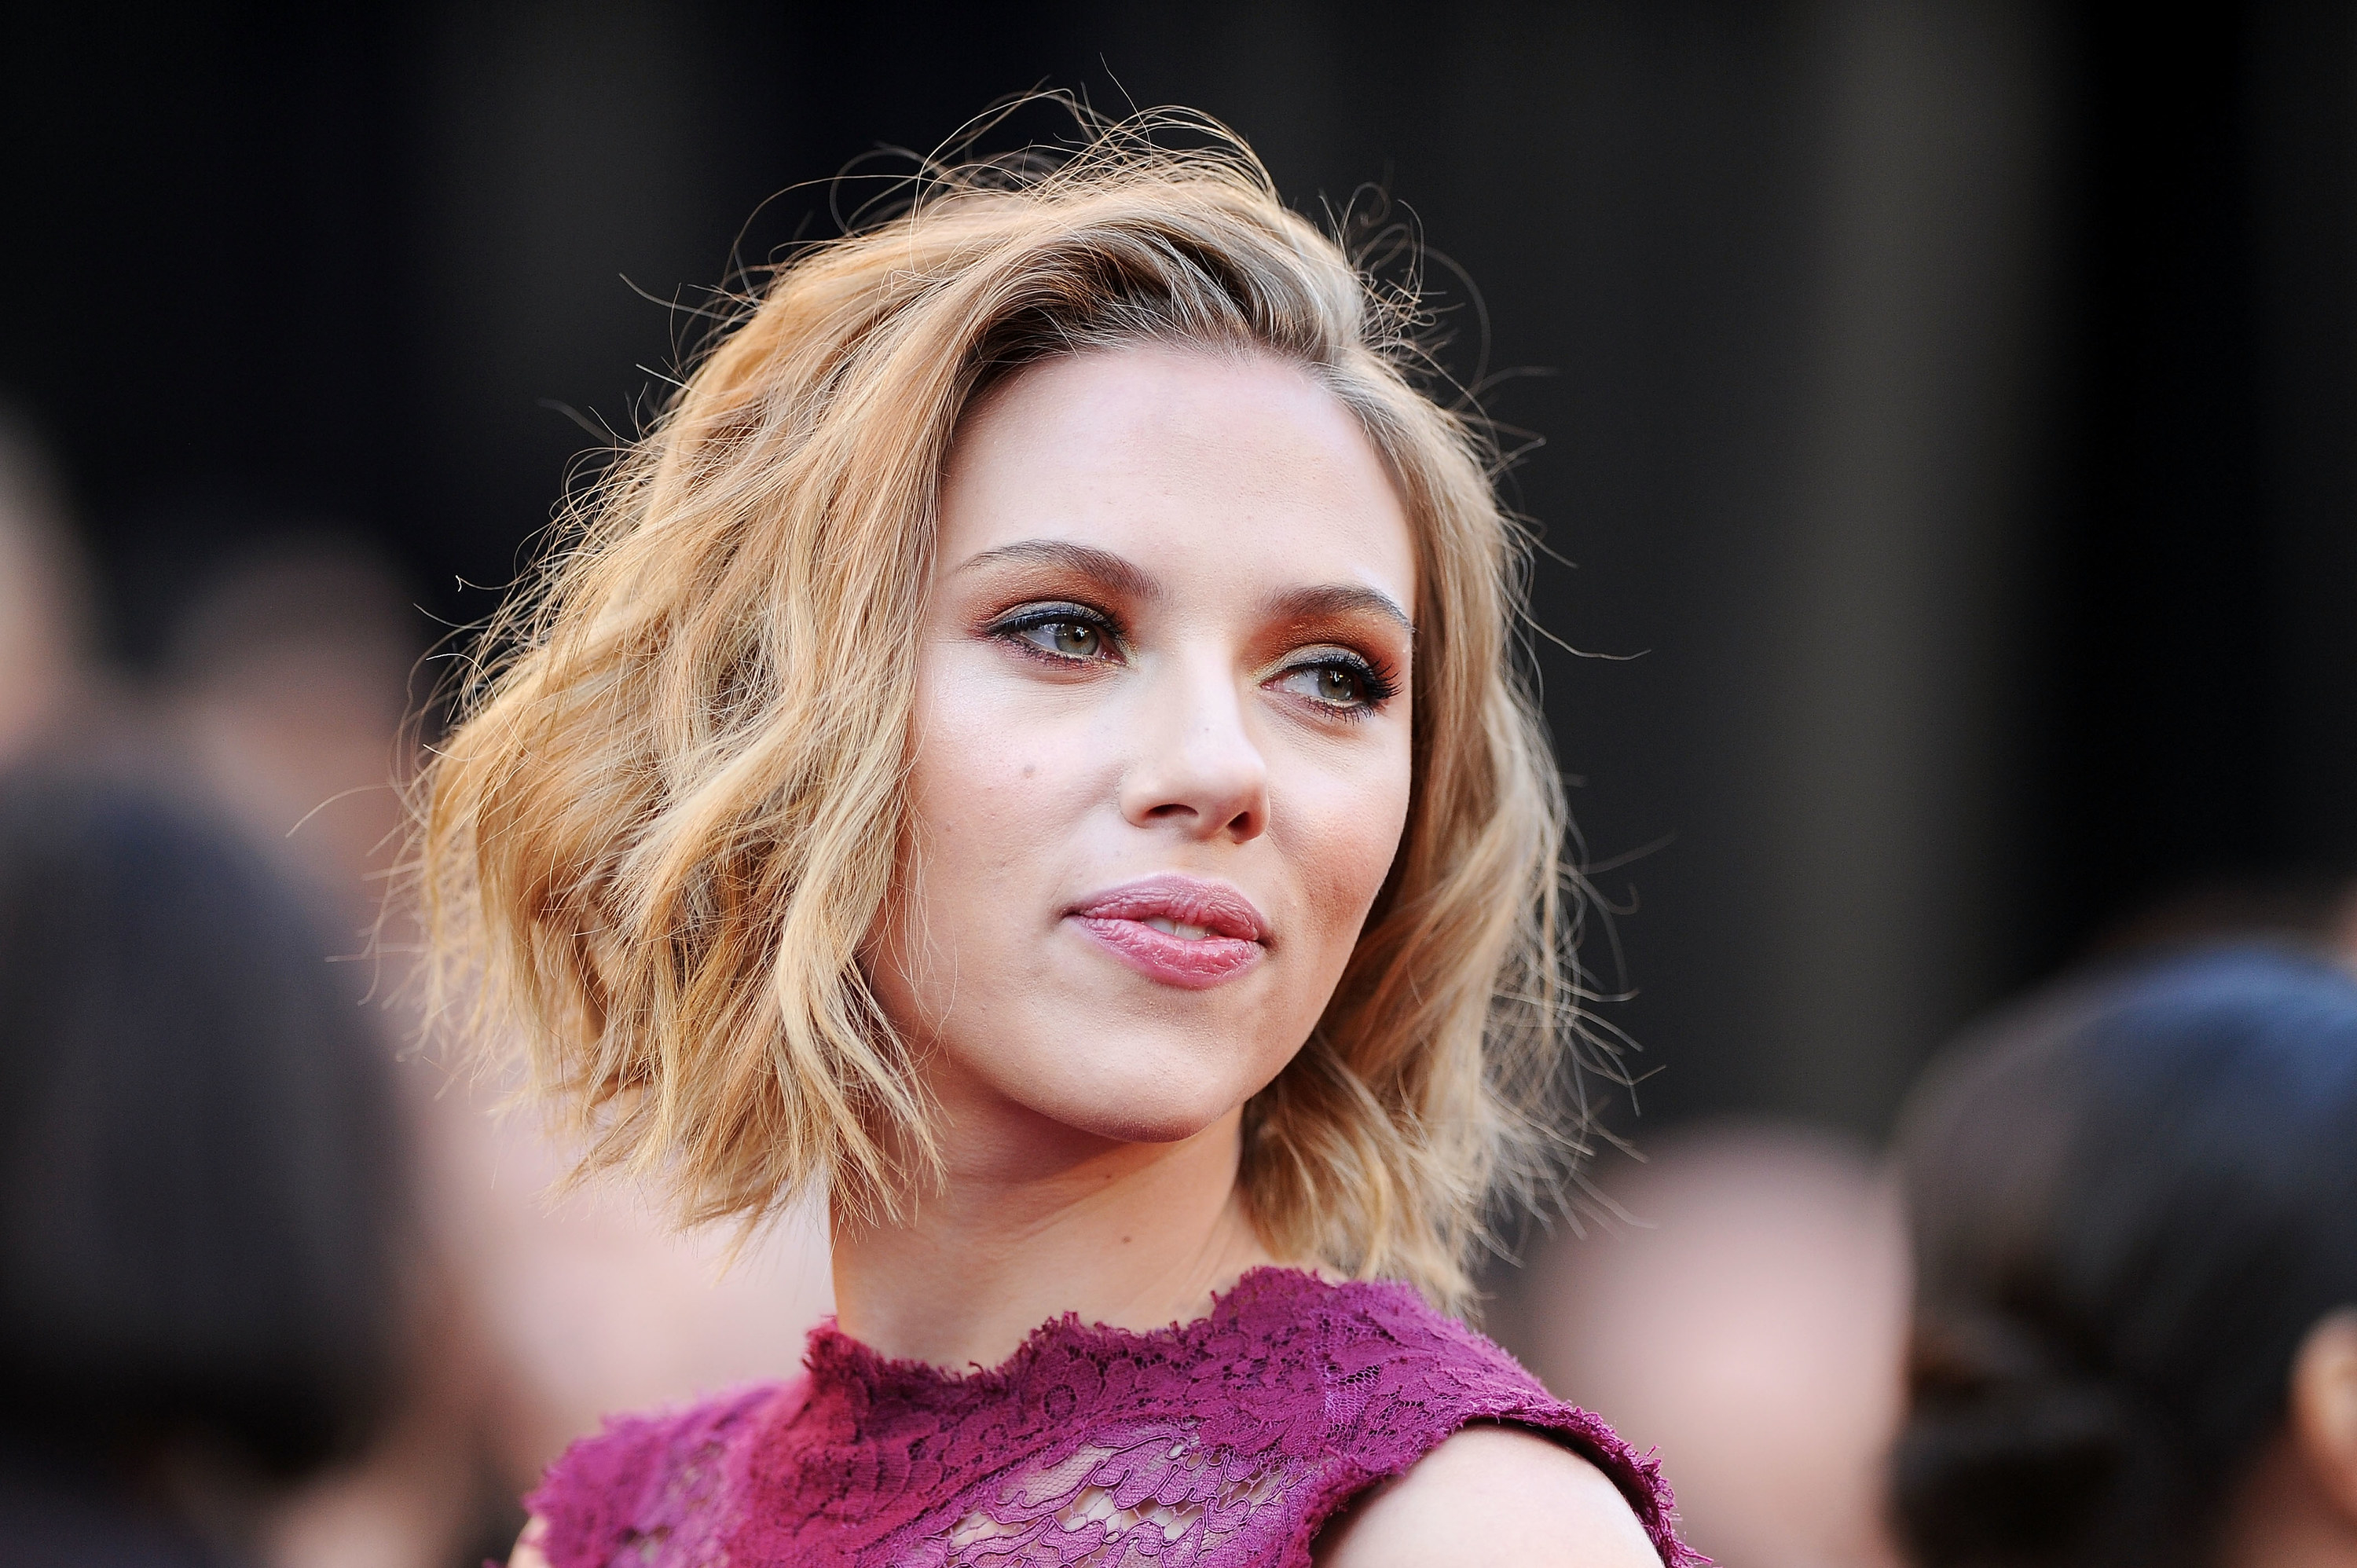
column 1183, row 461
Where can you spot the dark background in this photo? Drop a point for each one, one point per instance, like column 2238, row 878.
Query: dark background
column 1948, row 406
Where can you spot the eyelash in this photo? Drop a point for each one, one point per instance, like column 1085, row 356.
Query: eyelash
column 1379, row 683
column 1375, row 678
column 1010, row 628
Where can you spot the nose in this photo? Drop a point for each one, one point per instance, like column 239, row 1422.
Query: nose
column 1196, row 767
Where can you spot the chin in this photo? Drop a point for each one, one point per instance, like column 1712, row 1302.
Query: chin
column 1141, row 1107
column 1164, row 1129
column 1149, row 1116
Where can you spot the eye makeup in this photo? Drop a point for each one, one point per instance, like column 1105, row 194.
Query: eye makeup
column 1338, row 682
column 1063, row 632
column 1345, row 684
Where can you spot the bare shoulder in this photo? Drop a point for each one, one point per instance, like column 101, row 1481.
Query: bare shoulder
column 527, row 1552
column 1492, row 1494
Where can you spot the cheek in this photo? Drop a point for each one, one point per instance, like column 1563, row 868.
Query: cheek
column 1348, row 824
column 995, row 777
column 987, row 810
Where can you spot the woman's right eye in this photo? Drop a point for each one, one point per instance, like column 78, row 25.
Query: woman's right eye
column 1071, row 638
column 1064, row 637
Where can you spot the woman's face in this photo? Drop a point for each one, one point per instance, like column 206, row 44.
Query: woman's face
column 1161, row 757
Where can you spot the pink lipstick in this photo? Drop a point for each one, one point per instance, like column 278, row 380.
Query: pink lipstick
column 1180, row 930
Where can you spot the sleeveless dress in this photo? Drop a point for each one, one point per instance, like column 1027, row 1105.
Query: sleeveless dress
column 1216, row 1443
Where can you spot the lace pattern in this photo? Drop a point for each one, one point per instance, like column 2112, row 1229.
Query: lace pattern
column 1223, row 1442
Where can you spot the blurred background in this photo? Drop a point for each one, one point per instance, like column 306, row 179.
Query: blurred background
column 1938, row 414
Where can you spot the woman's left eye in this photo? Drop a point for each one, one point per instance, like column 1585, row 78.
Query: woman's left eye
column 1333, row 684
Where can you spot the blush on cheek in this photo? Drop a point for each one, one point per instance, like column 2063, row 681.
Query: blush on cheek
column 988, row 822
column 1347, row 868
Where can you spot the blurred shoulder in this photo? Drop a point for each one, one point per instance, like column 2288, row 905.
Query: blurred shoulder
column 1492, row 1494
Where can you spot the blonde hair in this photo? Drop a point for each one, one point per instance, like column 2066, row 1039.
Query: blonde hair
column 670, row 808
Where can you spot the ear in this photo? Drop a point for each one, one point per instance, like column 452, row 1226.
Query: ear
column 2324, row 1408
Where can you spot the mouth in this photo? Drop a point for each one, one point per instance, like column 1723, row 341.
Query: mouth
column 1182, row 931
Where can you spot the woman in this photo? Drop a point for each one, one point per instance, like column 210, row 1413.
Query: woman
column 1028, row 748
column 2135, row 1214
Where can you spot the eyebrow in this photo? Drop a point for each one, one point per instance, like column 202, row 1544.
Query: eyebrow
column 1103, row 566
column 1134, row 582
column 1340, row 600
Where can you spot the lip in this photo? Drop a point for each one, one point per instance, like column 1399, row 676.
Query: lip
column 1236, row 939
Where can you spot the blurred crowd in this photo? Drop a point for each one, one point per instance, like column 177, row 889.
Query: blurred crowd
column 2096, row 1303
column 278, row 1287
column 279, row 1284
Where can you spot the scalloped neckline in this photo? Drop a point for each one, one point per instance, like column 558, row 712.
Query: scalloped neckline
column 830, row 1343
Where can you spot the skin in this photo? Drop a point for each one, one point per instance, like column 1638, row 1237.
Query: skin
column 1168, row 630
column 2298, row 1508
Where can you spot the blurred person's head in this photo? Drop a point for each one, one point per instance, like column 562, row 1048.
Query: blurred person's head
column 44, row 603
column 1747, row 1318
column 2133, row 1208
column 200, row 1189
column 289, row 667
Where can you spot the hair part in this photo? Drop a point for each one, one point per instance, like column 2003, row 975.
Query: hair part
column 658, row 837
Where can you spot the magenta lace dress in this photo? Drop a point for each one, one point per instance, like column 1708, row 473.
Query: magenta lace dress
column 1223, row 1442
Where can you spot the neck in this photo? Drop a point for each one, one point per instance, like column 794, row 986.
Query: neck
column 1036, row 1221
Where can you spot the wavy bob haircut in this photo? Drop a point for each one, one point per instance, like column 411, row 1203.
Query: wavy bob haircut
column 655, row 845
